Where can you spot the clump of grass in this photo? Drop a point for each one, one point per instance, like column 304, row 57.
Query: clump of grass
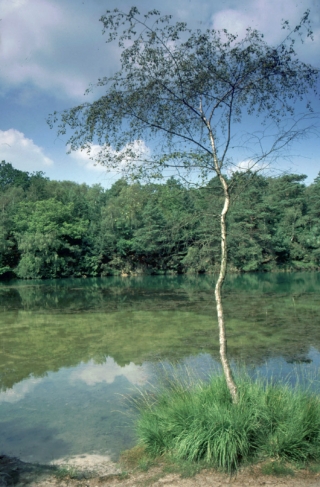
column 198, row 422
column 185, row 468
column 137, row 458
column 68, row 471
column 314, row 467
column 131, row 458
column 277, row 469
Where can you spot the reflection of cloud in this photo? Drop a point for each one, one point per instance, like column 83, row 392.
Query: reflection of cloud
column 22, row 152
column 19, row 391
column 92, row 373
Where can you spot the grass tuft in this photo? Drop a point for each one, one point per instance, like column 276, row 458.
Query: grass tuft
column 197, row 422
column 314, row 467
column 277, row 469
column 68, row 471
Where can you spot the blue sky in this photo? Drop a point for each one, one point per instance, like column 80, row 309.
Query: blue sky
column 51, row 50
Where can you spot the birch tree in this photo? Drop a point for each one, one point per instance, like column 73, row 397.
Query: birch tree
column 181, row 101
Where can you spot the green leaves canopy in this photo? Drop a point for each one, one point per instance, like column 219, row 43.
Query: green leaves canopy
column 47, row 235
column 187, row 91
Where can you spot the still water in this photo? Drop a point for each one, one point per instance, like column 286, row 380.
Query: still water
column 73, row 352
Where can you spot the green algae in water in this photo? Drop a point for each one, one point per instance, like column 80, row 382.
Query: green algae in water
column 72, row 349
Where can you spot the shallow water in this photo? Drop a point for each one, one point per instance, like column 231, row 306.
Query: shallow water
column 74, row 351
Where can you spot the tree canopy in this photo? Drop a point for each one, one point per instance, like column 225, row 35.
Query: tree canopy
column 188, row 92
column 158, row 228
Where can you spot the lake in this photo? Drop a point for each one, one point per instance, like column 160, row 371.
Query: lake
column 74, row 351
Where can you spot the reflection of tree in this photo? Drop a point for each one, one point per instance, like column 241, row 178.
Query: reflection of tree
column 117, row 293
column 10, row 299
column 133, row 320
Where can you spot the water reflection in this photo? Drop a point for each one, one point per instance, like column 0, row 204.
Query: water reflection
column 19, row 390
column 93, row 373
column 46, row 326
column 71, row 349
column 73, row 411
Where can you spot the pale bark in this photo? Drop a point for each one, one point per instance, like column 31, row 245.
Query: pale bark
column 223, row 269
column 222, row 274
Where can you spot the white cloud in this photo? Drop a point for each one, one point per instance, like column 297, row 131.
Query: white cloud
column 267, row 18
column 259, row 15
column 90, row 159
column 26, row 29
column 56, row 46
column 86, row 160
column 8, row 6
column 19, row 391
column 92, row 373
column 22, row 152
column 234, row 21
column 248, row 165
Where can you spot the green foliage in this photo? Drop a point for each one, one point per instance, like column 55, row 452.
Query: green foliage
column 199, row 422
column 48, row 236
column 137, row 458
column 277, row 469
column 60, row 229
column 66, row 472
column 189, row 90
column 12, row 177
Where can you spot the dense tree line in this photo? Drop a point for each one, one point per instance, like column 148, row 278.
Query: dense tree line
column 51, row 229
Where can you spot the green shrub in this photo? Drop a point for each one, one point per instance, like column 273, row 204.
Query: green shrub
column 199, row 422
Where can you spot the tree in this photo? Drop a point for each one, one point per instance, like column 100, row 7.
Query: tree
column 49, row 238
column 188, row 93
column 9, row 176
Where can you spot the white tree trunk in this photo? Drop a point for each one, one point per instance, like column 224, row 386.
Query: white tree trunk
column 222, row 274
column 223, row 269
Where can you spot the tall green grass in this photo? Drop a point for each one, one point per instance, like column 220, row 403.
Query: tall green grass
column 198, row 422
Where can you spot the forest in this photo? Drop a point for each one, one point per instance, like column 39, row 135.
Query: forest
column 55, row 229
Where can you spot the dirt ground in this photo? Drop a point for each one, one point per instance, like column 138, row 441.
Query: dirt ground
column 14, row 472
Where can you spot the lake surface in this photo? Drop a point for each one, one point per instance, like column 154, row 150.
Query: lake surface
column 73, row 352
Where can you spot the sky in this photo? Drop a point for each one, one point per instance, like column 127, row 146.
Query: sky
column 51, row 50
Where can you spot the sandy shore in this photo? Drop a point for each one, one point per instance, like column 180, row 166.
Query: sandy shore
column 99, row 471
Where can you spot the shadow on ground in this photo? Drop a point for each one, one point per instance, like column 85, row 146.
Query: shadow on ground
column 13, row 471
